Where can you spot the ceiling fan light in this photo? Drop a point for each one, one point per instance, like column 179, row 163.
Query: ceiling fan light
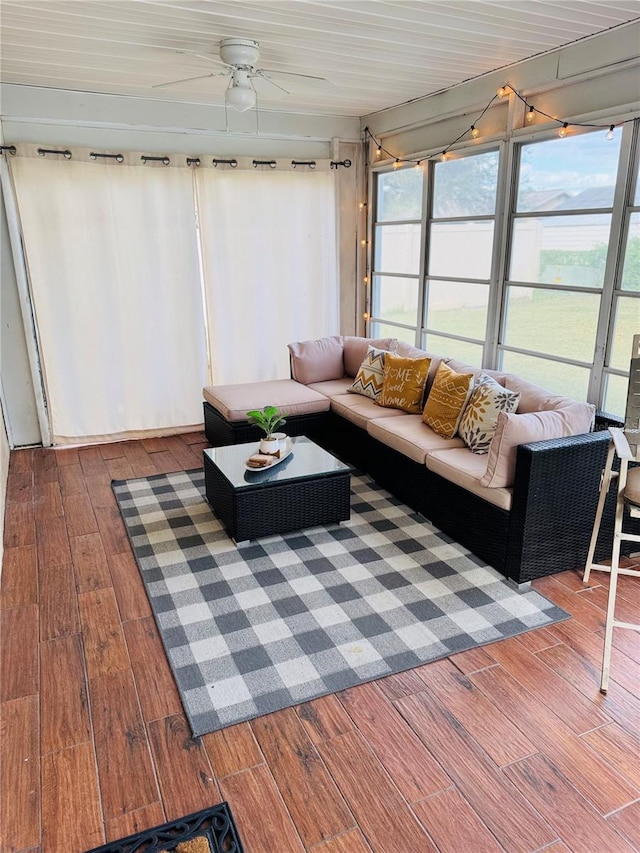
column 240, row 98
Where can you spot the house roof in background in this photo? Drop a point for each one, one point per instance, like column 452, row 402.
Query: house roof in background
column 376, row 54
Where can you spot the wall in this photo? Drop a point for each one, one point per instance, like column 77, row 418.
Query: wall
column 57, row 118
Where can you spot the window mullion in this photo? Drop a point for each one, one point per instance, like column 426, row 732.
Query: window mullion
column 614, row 262
column 495, row 309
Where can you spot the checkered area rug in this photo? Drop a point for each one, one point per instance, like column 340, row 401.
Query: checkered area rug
column 252, row 629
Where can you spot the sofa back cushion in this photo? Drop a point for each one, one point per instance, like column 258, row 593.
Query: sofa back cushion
column 447, row 398
column 355, row 350
column 403, row 383
column 533, row 398
column 317, row 361
column 512, row 430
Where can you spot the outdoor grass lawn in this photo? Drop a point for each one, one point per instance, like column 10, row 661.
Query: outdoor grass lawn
column 561, row 324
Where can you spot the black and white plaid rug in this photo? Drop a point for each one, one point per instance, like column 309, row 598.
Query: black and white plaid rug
column 272, row 623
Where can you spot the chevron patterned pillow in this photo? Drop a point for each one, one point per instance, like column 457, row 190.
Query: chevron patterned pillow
column 368, row 381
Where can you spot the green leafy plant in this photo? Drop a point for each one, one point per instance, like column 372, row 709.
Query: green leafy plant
column 268, row 419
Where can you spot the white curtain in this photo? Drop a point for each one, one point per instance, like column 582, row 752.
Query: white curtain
column 270, row 267
column 114, row 269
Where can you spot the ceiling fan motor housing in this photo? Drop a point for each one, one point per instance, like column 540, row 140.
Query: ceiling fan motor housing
column 239, row 52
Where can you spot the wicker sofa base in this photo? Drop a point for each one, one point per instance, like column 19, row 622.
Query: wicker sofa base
column 555, row 494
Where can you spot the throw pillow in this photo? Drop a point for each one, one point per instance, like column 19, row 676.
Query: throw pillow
column 479, row 419
column 445, row 404
column 369, row 377
column 403, row 383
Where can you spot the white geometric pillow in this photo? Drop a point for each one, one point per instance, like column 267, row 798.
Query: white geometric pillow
column 480, row 418
column 368, row 381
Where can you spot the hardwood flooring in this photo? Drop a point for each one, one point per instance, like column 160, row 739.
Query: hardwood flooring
column 509, row 747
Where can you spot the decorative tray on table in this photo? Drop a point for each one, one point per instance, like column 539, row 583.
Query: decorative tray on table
column 275, row 460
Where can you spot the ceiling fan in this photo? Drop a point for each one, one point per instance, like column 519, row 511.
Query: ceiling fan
column 240, row 56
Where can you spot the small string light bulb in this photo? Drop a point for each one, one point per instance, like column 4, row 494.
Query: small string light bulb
column 475, row 133
column 418, row 165
column 366, row 279
column 378, row 152
column 610, row 131
column 363, row 243
column 396, row 164
column 502, row 91
column 531, row 114
column 362, row 205
column 563, row 130
column 444, row 156
column 366, row 315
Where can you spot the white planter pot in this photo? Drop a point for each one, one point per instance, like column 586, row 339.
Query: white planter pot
column 269, row 446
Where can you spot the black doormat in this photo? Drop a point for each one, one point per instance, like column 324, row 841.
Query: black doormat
column 209, row 831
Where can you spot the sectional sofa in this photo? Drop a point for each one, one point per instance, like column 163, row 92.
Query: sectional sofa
column 526, row 507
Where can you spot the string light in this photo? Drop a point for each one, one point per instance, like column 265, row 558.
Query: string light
column 366, row 279
column 363, row 243
column 474, row 132
column 362, row 205
column 366, row 315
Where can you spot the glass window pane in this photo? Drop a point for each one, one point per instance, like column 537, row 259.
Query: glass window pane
column 461, row 249
column 564, row 379
column 395, row 299
column 565, row 250
column 636, row 200
column 457, row 307
column 460, row 350
column 625, row 325
column 631, row 269
column 385, row 330
column 552, row 321
column 466, row 186
column 615, row 395
column 397, row 248
column 400, row 195
column 574, row 173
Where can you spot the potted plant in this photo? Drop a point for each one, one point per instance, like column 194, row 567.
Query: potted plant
column 268, row 420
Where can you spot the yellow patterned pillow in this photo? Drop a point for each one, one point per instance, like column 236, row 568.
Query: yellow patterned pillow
column 403, row 383
column 449, row 395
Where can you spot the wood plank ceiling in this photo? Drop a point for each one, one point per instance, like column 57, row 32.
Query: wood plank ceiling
column 375, row 53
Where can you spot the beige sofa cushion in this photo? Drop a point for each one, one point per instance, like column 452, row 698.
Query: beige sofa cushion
column 360, row 410
column 355, row 350
column 410, row 351
column 234, row 401
column 515, row 429
column 410, row 436
column 332, row 387
column 466, row 469
column 462, row 367
column 317, row 361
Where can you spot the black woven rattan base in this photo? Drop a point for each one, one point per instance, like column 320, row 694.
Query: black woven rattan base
column 220, row 432
column 270, row 508
column 214, row 824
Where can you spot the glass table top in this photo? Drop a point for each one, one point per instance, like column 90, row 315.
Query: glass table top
column 306, row 460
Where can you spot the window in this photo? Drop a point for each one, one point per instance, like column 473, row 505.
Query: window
column 625, row 315
column 560, row 302
column 460, row 255
column 559, row 247
column 395, row 281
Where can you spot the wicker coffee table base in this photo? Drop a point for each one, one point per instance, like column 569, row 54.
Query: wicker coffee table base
column 272, row 508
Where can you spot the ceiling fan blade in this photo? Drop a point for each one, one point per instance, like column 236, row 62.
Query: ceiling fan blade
column 299, row 81
column 188, row 79
column 268, row 89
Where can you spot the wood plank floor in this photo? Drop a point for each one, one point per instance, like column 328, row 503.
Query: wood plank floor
column 509, row 747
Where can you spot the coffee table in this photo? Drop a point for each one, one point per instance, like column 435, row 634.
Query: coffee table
column 308, row 488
